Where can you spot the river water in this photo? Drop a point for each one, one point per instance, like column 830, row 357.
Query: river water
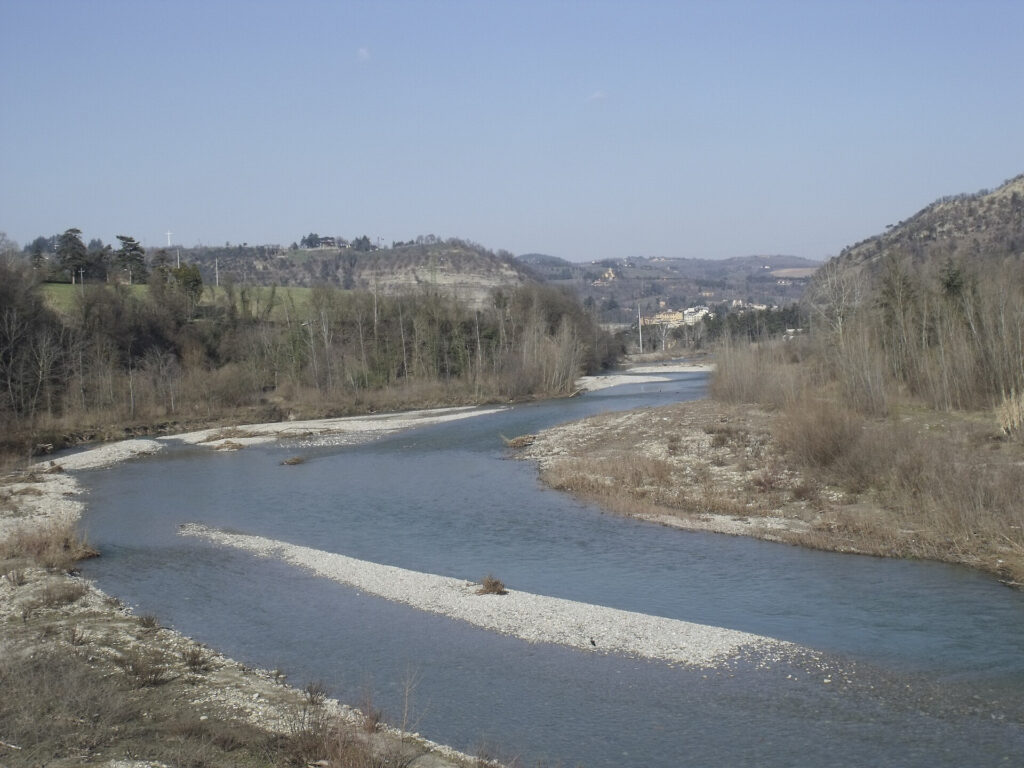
column 924, row 662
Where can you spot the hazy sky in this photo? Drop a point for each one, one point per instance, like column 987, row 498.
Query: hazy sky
column 580, row 129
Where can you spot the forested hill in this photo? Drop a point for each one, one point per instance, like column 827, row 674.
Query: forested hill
column 935, row 304
column 986, row 225
column 463, row 270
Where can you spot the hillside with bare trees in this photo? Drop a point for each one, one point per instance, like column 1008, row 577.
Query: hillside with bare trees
column 124, row 359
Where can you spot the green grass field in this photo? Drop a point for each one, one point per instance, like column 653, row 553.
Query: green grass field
column 62, row 297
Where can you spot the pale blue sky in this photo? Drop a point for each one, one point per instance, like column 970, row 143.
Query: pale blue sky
column 581, row 129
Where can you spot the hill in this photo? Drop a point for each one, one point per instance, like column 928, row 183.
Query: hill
column 454, row 267
column 985, row 225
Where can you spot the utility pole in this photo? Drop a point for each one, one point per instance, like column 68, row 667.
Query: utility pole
column 640, row 327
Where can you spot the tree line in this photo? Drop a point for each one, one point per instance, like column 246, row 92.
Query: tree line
column 947, row 332
column 176, row 350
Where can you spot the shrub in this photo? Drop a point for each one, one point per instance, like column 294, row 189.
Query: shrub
column 56, row 546
column 819, row 433
column 316, row 693
column 491, row 586
column 372, row 716
column 145, row 668
column 196, row 659
column 58, row 594
column 763, row 373
column 521, row 441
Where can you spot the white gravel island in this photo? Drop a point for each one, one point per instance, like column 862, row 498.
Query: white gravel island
column 531, row 617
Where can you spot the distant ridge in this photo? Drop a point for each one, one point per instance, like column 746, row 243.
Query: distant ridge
column 615, row 288
column 455, row 267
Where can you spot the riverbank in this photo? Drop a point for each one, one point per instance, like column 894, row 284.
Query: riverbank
column 87, row 682
column 712, row 466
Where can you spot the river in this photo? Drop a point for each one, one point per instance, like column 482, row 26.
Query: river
column 917, row 663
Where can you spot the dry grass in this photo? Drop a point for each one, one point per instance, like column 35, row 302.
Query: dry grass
column 54, row 595
column 819, row 434
column 57, row 705
column 939, row 486
column 56, row 546
column 145, row 667
column 197, row 659
column 1010, row 414
column 78, row 696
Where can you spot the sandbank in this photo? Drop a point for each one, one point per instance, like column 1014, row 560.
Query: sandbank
column 530, row 617
column 641, row 374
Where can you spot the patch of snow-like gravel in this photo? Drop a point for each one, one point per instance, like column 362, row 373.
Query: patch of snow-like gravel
column 50, row 499
column 531, row 617
column 673, row 367
column 102, row 455
column 350, row 429
column 594, row 383
column 641, row 374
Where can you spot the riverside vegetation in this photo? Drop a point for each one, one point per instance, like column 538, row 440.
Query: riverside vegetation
column 908, row 396
column 124, row 361
column 894, row 426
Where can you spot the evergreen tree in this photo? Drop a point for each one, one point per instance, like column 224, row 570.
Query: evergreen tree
column 72, row 253
column 131, row 258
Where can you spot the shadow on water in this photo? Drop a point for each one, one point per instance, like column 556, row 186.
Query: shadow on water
column 933, row 655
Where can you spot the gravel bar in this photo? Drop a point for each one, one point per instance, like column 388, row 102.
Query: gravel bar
column 531, row 617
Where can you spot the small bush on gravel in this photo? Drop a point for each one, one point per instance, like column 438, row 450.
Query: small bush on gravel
column 145, row 668
column 372, row 716
column 76, row 636
column 522, row 441
column 196, row 659
column 491, row 585
column 316, row 693
column 58, row 594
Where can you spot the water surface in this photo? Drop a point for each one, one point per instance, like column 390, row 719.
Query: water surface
column 933, row 654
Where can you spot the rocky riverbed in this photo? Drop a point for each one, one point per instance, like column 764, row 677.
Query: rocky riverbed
column 87, row 682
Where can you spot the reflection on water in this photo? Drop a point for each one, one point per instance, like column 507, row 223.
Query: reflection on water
column 934, row 654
